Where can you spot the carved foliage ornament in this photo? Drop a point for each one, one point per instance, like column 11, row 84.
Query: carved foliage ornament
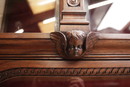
column 73, row 3
column 74, row 44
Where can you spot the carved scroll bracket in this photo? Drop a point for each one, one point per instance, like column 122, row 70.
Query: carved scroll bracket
column 74, row 44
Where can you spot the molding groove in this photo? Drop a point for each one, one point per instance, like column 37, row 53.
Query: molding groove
column 27, row 71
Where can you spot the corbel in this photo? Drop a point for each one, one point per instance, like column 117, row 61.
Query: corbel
column 74, row 44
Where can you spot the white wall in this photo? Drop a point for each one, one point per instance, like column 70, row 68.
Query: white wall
column 2, row 6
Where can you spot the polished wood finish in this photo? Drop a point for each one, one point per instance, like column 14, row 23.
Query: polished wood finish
column 62, row 82
column 74, row 44
column 108, row 46
column 74, row 16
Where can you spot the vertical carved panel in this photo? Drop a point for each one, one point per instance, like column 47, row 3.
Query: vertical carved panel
column 74, row 15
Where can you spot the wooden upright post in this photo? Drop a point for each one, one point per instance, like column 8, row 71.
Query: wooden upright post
column 74, row 15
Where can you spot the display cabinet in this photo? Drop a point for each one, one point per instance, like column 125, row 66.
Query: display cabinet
column 65, row 43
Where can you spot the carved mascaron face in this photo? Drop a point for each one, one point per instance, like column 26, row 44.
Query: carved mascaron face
column 75, row 43
column 75, row 47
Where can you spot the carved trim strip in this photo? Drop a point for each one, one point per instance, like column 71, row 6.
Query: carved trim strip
column 114, row 71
